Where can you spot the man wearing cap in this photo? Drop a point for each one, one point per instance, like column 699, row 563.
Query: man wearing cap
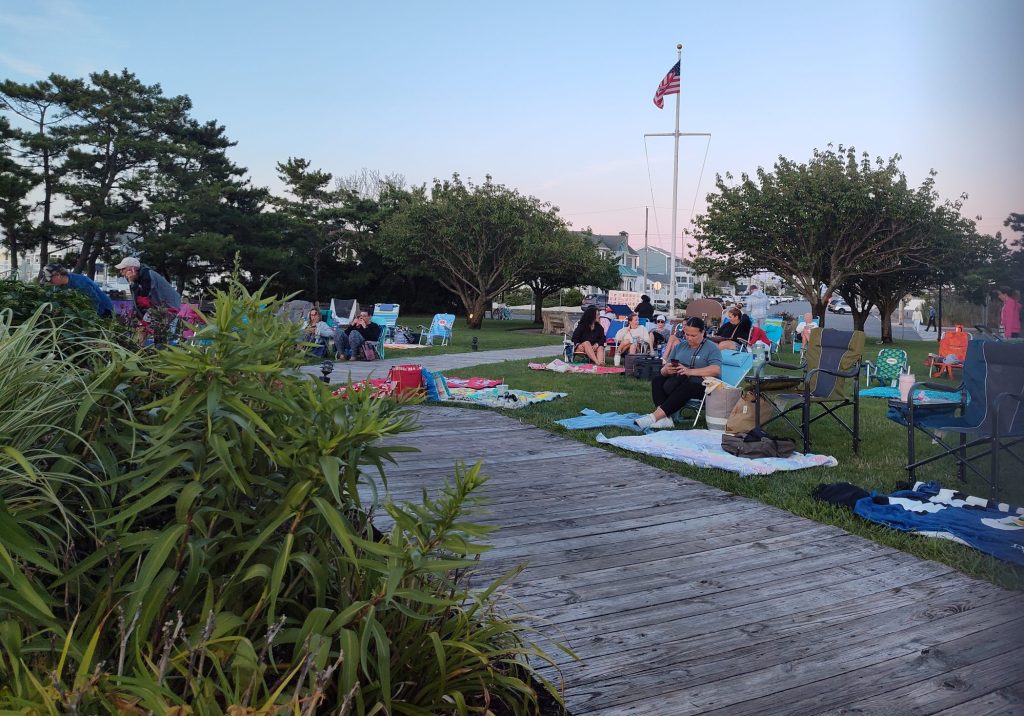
column 57, row 275
column 149, row 289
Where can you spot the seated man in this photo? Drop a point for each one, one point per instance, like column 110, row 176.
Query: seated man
column 633, row 338
column 349, row 342
column 734, row 330
column 681, row 379
column 317, row 330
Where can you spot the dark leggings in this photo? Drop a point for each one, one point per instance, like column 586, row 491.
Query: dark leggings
column 671, row 393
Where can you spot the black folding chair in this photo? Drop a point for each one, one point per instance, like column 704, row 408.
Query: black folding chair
column 830, row 358
column 989, row 415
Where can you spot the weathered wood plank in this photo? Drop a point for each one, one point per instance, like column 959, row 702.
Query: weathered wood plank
column 682, row 599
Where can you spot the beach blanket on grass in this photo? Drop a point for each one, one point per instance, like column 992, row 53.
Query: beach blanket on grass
column 993, row 528
column 510, row 399
column 560, row 366
column 920, row 396
column 592, row 419
column 703, row 448
column 474, row 383
column 401, row 346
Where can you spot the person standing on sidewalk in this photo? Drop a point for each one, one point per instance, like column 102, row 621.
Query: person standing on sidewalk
column 931, row 320
column 757, row 305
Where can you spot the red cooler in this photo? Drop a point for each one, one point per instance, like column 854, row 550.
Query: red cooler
column 408, row 380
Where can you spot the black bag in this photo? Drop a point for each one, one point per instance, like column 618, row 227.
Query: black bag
column 757, row 445
column 642, row 367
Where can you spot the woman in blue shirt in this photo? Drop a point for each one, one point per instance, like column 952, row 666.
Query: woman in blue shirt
column 681, row 378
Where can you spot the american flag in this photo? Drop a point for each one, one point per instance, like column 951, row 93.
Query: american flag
column 669, row 85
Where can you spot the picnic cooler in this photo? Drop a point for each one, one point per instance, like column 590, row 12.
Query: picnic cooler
column 408, row 379
column 642, row 367
column 719, row 404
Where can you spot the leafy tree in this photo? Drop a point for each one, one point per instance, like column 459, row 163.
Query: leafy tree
column 475, row 238
column 1012, row 275
column 16, row 181
column 316, row 220
column 561, row 259
column 125, row 127
column 42, row 108
column 818, row 224
column 190, row 218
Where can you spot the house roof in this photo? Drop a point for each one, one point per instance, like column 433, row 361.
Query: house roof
column 614, row 243
column 628, row 272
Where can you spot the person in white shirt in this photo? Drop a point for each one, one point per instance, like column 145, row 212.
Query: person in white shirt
column 757, row 305
column 633, row 338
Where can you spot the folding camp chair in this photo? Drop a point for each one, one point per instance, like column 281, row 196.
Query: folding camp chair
column 887, row 368
column 991, row 412
column 951, row 355
column 343, row 311
column 609, row 335
column 831, row 357
column 774, row 331
column 384, row 315
column 735, row 367
column 440, row 327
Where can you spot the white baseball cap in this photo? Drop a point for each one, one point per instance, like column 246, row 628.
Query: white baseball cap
column 128, row 262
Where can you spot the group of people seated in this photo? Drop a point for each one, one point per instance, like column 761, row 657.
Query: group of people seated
column 347, row 341
column 691, row 353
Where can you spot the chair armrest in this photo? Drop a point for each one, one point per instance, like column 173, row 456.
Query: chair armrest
column 785, row 366
column 937, row 386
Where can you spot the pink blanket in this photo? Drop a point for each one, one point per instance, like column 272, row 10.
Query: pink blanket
column 560, row 366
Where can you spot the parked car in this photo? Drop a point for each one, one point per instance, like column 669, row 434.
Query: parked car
column 595, row 299
column 838, row 306
column 660, row 304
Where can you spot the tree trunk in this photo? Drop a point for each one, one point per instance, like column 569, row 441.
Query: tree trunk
column 83, row 256
column 885, row 311
column 818, row 309
column 12, row 243
column 860, row 318
column 538, row 304
column 475, row 307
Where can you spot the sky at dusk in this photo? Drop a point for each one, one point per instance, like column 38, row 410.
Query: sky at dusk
column 554, row 98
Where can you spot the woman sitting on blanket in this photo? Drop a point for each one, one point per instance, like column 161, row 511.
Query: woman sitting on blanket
column 733, row 330
column 588, row 338
column 681, row 379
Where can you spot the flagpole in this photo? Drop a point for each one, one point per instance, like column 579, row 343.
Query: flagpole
column 675, row 197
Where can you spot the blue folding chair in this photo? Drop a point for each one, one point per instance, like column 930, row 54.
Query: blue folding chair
column 440, row 327
column 991, row 413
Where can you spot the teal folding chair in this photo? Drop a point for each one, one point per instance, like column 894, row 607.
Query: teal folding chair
column 440, row 327
column 735, row 367
column 385, row 315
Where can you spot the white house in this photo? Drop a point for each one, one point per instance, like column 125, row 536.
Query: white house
column 617, row 245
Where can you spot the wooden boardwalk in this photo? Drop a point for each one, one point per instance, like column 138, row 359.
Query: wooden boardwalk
column 683, row 599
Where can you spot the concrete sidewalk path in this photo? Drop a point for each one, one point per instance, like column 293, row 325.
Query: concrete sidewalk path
column 360, row 370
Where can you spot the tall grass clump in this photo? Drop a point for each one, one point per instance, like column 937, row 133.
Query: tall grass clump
column 188, row 531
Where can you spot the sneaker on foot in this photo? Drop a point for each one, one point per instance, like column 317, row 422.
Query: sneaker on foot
column 645, row 421
column 663, row 424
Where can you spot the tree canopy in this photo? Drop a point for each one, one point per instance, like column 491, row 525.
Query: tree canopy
column 476, row 239
column 836, row 222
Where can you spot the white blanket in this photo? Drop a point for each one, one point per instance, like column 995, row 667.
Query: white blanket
column 703, row 448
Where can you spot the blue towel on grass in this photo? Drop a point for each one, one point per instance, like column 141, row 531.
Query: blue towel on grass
column 592, row 419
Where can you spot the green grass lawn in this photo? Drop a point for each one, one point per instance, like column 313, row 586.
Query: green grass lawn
column 879, row 466
column 492, row 335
